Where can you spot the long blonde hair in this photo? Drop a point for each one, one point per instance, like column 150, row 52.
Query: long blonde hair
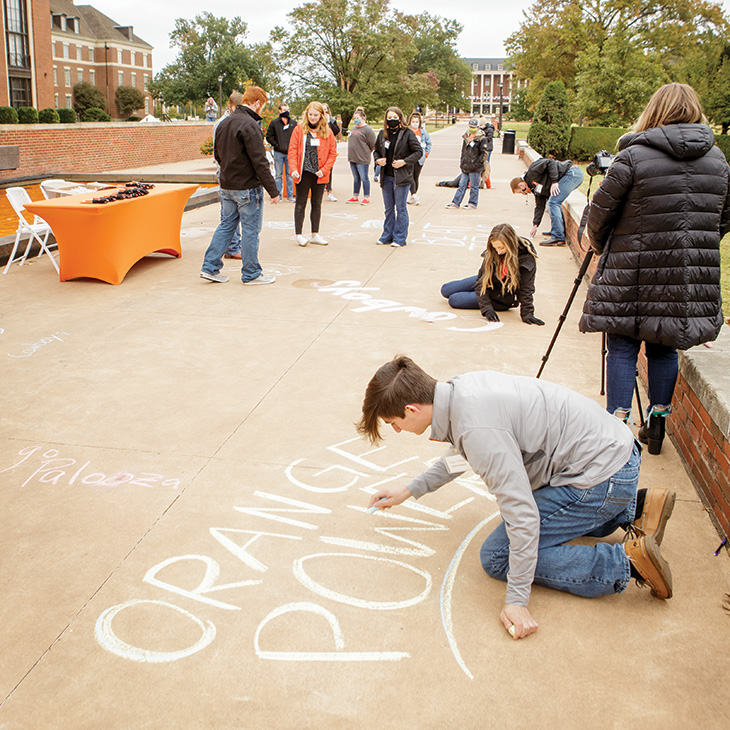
column 322, row 129
column 493, row 261
column 671, row 104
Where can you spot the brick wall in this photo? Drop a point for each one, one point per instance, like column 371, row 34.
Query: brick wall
column 42, row 59
column 51, row 149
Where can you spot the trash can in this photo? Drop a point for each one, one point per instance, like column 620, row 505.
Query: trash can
column 508, row 142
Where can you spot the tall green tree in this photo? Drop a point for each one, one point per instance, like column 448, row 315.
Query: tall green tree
column 128, row 99
column 208, row 47
column 87, row 96
column 550, row 129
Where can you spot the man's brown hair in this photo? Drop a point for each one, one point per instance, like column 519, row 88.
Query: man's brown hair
column 254, row 94
column 395, row 385
column 514, row 183
column 236, row 98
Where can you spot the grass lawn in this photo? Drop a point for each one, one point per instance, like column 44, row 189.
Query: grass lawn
column 522, row 128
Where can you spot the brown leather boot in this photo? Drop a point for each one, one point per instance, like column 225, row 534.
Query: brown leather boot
column 648, row 566
column 658, row 506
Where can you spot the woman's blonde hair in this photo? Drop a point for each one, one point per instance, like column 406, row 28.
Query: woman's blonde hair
column 493, row 261
column 322, row 128
column 671, row 104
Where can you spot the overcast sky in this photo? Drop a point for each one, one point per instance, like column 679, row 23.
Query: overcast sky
column 486, row 24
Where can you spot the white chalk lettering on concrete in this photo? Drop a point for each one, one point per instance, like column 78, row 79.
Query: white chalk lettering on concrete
column 32, row 348
column 109, row 640
column 401, row 534
column 469, row 237
column 59, row 471
column 320, row 656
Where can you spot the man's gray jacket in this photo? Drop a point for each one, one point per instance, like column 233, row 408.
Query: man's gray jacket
column 519, row 434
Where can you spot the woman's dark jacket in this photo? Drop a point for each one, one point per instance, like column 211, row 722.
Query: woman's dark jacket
column 656, row 221
column 407, row 147
column 473, row 152
column 525, row 290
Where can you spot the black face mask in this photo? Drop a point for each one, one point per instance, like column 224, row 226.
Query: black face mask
column 313, row 126
column 285, row 116
column 393, row 124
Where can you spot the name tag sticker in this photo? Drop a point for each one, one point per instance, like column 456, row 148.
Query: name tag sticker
column 455, row 464
column 314, row 142
column 286, row 126
column 387, row 144
column 538, row 188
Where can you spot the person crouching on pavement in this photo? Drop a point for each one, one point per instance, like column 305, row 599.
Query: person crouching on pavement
column 312, row 153
column 506, row 278
column 473, row 154
column 559, row 466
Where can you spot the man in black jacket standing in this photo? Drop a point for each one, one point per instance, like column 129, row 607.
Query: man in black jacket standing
column 278, row 135
column 239, row 150
column 473, row 155
column 550, row 182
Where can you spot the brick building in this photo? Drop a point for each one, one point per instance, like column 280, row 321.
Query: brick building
column 51, row 45
column 486, row 76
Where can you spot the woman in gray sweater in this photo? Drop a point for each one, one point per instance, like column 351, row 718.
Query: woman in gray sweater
column 360, row 145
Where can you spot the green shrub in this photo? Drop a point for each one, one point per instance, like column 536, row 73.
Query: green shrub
column 67, row 116
column 133, row 119
column 27, row 115
column 94, row 114
column 8, row 115
column 86, row 96
column 586, row 141
column 549, row 132
column 207, row 147
column 723, row 142
column 48, row 116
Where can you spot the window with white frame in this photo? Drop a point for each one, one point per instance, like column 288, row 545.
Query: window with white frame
column 119, row 55
column 134, row 80
column 55, row 77
column 66, row 51
column 79, row 75
column 92, row 76
column 69, row 101
column 67, row 76
column 120, row 78
column 55, row 100
column 91, row 54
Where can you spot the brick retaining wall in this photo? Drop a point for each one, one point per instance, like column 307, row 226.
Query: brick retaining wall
column 52, row 149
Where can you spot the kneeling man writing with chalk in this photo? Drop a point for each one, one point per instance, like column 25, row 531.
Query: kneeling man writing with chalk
column 559, row 466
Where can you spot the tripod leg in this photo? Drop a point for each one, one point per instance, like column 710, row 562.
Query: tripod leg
column 638, row 400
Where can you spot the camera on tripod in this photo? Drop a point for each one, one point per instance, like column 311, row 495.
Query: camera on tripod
column 601, row 162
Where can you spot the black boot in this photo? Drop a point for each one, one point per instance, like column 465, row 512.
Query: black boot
column 652, row 433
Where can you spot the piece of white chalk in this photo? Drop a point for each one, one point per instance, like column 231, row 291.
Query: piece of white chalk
column 511, row 630
column 375, row 508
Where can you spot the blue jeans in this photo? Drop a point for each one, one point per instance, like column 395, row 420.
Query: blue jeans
column 360, row 174
column 472, row 179
column 461, row 294
column 395, row 226
column 281, row 163
column 247, row 207
column 662, row 365
column 565, row 514
column 567, row 184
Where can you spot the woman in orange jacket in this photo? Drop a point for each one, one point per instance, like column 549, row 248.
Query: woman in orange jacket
column 312, row 153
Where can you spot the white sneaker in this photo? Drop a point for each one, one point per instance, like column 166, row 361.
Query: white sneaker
column 262, row 279
column 316, row 238
column 302, row 240
column 218, row 278
column 410, row 200
column 416, row 200
column 331, row 198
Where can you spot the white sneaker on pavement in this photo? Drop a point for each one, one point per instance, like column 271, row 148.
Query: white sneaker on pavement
column 262, row 279
column 218, row 278
column 316, row 238
column 416, row 200
column 331, row 198
column 302, row 240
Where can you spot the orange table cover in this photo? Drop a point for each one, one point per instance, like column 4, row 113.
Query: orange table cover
column 104, row 241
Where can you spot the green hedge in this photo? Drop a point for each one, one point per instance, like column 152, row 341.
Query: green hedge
column 586, row 141
column 67, row 116
column 8, row 115
column 94, row 114
column 723, row 142
column 48, row 116
column 27, row 115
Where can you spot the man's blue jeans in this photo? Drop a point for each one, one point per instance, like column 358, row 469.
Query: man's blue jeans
column 472, row 179
column 360, row 175
column 245, row 206
column 662, row 366
column 281, row 164
column 565, row 514
column 567, row 184
column 395, row 226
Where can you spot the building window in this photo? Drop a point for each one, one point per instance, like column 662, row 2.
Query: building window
column 79, row 56
column 55, row 100
column 67, row 77
column 66, row 51
column 20, row 91
column 91, row 54
column 119, row 55
column 55, row 76
column 16, row 34
column 120, row 78
column 92, row 76
column 488, row 66
column 79, row 75
column 500, row 67
column 134, row 81
column 69, row 101
column 475, row 66
column 146, row 79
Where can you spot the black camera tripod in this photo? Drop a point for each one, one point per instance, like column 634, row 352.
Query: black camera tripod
column 576, row 284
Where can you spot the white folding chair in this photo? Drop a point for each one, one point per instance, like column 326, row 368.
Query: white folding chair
column 18, row 197
column 49, row 183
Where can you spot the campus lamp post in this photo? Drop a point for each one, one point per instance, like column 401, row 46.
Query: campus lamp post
column 500, row 108
column 220, row 95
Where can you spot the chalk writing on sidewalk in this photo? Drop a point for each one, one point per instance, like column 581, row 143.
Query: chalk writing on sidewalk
column 59, row 471
column 469, row 237
column 400, row 539
column 32, row 348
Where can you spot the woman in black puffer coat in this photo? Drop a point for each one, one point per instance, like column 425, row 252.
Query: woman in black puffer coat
column 656, row 221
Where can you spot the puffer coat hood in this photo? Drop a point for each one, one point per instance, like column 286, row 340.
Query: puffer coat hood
column 656, row 220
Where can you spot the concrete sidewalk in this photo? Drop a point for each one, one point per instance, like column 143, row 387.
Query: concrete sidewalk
column 184, row 542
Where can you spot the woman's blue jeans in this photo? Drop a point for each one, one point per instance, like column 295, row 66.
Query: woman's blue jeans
column 461, row 293
column 360, row 175
column 567, row 513
column 662, row 365
column 395, row 226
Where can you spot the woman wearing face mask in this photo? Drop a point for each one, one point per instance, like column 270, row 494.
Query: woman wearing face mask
column 396, row 150
column 312, row 153
column 360, row 145
column 506, row 278
column 415, row 123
